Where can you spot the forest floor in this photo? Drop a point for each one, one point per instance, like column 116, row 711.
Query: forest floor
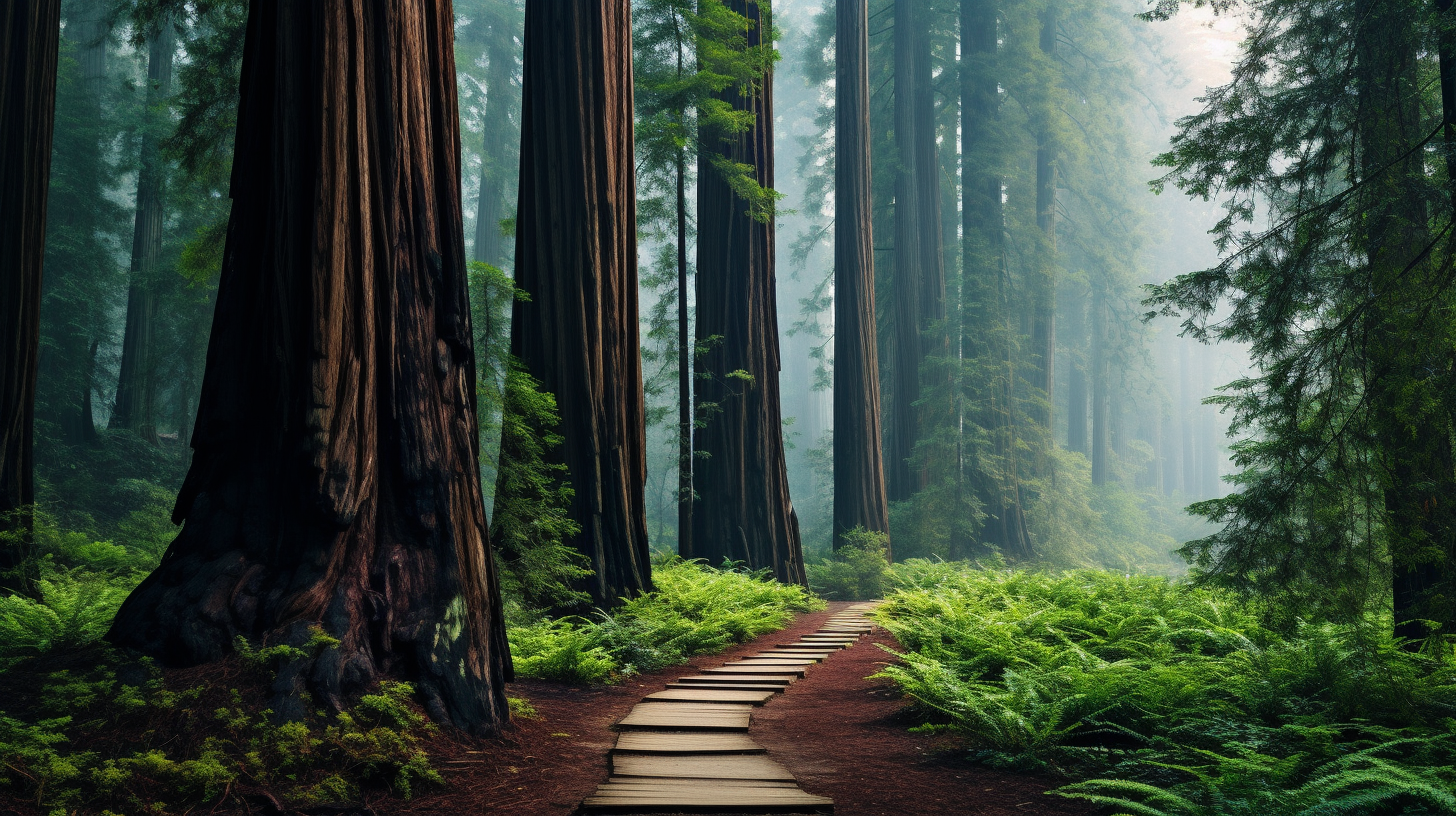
column 841, row 735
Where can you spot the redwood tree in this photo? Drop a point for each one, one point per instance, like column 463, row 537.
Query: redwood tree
column 135, row 386
column 919, row 279
column 576, row 258
column 859, row 475
column 744, row 512
column 29, row 43
column 334, row 484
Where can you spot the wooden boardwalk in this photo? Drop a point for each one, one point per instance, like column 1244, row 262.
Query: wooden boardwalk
column 686, row 749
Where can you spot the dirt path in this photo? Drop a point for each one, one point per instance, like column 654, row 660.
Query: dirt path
column 838, row 733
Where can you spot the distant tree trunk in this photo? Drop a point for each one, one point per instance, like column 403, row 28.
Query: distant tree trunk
column 919, row 279
column 68, row 361
column 576, row 258
column 495, row 165
column 745, row 513
column 135, row 388
column 1075, row 339
column 335, row 482
column 859, row 474
column 1044, row 285
column 1101, row 433
column 984, row 295
column 30, row 33
column 684, row 371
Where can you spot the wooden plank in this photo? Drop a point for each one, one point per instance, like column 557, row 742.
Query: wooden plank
column 706, row 695
column 688, row 716
column 730, row 683
column 773, row 661
column 814, row 656
column 699, row 796
column 805, row 645
column 759, row 679
column 759, row 671
column 700, row 767
column 666, row 742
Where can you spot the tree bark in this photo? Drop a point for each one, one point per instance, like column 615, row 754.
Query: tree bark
column 135, row 407
column 985, row 298
column 859, row 474
column 576, row 258
column 29, row 44
column 919, row 277
column 685, row 497
column 1044, row 285
column 1078, row 365
column 745, row 513
column 335, row 483
column 1101, row 433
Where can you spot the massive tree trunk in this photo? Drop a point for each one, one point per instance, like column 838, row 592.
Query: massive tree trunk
column 745, row 513
column 986, row 329
column 684, row 370
column 1044, row 282
column 334, row 483
column 576, row 258
column 29, row 43
column 135, row 407
column 859, row 474
column 919, row 279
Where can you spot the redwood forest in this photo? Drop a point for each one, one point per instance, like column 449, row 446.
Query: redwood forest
column 556, row 407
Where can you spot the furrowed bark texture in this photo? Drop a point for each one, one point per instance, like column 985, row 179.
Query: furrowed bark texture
column 744, row 513
column 919, row 282
column 135, row 407
column 576, row 257
column 29, row 44
column 985, row 306
column 334, row 482
column 859, row 473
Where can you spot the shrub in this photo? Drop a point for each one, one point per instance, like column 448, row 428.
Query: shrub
column 859, row 570
column 695, row 609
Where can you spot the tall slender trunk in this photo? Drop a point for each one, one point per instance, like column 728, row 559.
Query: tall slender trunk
column 1044, row 284
column 919, row 277
column 985, row 306
column 745, row 513
column 576, row 258
column 29, row 44
column 495, row 165
column 1101, row 433
column 859, row 473
column 135, row 407
column 335, row 482
column 1079, row 364
column 684, row 373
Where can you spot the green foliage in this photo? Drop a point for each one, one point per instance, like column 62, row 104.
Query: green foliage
column 859, row 570
column 695, row 609
column 374, row 744
column 1171, row 699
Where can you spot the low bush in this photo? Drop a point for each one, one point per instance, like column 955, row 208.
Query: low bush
column 695, row 609
column 859, row 570
column 1169, row 699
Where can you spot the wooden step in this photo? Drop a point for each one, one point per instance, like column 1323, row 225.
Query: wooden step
column 755, row 679
column 688, row 717
column 696, row 742
column 647, row 795
column 757, row 671
column 700, row 767
column 728, row 684
column 707, row 695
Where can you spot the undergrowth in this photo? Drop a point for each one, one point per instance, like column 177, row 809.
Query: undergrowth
column 695, row 609
column 1168, row 700
column 90, row 741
